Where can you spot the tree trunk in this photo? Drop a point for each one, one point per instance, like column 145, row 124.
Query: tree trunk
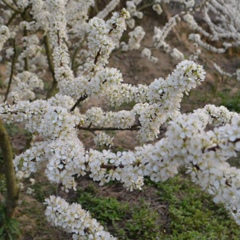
column 11, row 181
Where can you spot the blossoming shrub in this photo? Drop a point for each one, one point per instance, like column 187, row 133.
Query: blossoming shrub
column 60, row 42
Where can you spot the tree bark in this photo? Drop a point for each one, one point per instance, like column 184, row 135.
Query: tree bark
column 10, row 176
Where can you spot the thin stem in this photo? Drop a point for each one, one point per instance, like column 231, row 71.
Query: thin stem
column 11, row 6
column 82, row 98
column 144, row 6
column 132, row 128
column 12, row 70
column 12, row 18
column 26, row 64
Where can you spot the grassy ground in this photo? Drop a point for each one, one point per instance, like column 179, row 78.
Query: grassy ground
column 174, row 210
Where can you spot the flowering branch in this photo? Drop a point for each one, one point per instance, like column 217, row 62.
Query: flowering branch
column 132, row 128
column 64, row 27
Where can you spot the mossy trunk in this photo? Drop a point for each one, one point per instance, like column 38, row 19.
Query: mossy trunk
column 53, row 89
column 11, row 181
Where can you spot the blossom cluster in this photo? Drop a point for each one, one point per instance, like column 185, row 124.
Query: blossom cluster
column 77, row 17
column 108, row 9
column 135, row 37
column 4, row 33
column 222, row 26
column 24, row 84
column 54, row 124
column 103, row 140
column 158, row 101
column 187, row 143
column 53, row 121
column 73, row 219
column 146, row 52
column 102, row 38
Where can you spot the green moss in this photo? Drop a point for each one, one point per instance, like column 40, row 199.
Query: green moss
column 192, row 213
column 143, row 223
column 106, row 210
column 42, row 191
column 120, row 218
column 189, row 213
column 231, row 102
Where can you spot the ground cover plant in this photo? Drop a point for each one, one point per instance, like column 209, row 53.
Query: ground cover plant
column 60, row 61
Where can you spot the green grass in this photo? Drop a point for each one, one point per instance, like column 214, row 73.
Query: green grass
column 230, row 102
column 188, row 213
column 120, row 218
column 193, row 215
column 9, row 227
column 42, row 190
column 220, row 92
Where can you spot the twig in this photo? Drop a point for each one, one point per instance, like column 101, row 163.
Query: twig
column 82, row 98
column 132, row 128
column 11, row 6
column 26, row 65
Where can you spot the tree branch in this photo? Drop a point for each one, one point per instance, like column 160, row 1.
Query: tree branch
column 11, row 6
column 12, row 70
column 82, row 98
column 52, row 90
column 132, row 128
